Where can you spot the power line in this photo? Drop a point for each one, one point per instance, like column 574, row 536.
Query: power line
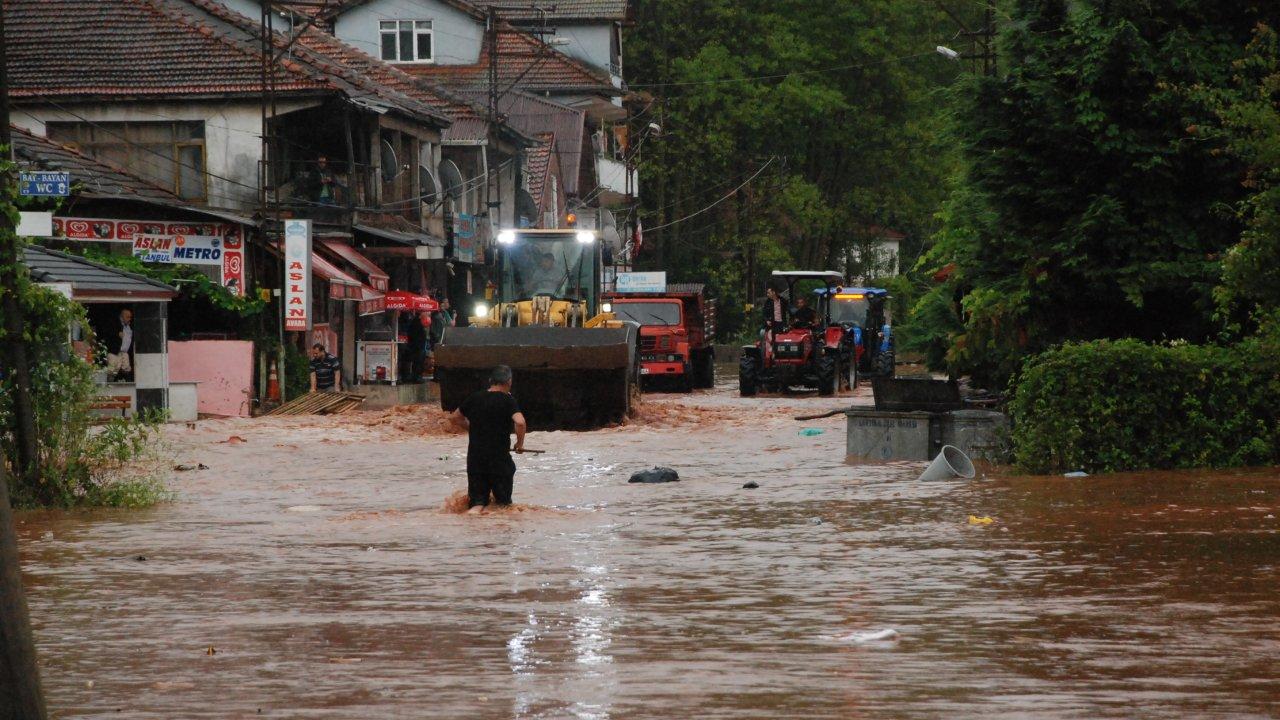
column 778, row 76
column 730, row 194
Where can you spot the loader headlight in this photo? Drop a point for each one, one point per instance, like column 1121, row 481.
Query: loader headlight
column 606, row 307
column 507, row 237
column 586, row 236
column 482, row 309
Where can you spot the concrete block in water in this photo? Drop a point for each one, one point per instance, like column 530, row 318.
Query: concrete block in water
column 875, row 435
column 880, row 435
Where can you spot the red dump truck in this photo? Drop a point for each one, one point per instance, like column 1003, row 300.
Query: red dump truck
column 676, row 331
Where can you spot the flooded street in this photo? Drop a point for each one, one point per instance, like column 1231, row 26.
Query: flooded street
column 312, row 572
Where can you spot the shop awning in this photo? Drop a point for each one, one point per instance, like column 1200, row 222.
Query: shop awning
column 378, row 279
column 372, row 301
column 405, row 238
column 341, row 285
column 401, row 300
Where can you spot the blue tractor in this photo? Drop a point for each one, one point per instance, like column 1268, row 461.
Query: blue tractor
column 864, row 314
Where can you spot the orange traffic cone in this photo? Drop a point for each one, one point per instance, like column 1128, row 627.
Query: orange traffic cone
column 273, row 384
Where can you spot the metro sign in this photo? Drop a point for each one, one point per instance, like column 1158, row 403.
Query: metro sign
column 44, row 184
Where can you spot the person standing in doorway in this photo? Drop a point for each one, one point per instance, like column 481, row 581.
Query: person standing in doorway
column 326, row 370
column 490, row 417
column 120, row 348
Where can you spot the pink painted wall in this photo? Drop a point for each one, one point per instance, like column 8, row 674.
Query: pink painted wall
column 224, row 369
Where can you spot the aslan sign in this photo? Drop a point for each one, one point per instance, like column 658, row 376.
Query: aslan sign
column 297, row 275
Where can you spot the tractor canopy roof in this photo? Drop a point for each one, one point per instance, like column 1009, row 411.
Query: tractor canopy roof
column 844, row 291
column 831, row 277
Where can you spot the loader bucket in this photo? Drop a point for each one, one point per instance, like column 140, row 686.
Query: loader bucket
column 565, row 378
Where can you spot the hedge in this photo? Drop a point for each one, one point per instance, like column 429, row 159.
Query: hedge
column 1109, row 406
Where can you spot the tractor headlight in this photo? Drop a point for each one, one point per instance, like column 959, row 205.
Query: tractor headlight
column 482, row 309
column 586, row 236
column 507, row 237
column 606, row 307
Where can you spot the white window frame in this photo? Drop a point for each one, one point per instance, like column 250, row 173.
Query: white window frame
column 416, row 29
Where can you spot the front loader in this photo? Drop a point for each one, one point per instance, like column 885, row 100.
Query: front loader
column 575, row 367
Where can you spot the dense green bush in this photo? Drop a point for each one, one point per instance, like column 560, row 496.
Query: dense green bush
column 1108, row 406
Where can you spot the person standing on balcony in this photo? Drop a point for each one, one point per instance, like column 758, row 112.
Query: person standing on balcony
column 327, row 183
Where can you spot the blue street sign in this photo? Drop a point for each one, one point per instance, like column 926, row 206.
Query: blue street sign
column 45, row 184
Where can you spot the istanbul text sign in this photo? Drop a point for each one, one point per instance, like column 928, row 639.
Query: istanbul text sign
column 45, row 184
column 178, row 249
column 642, row 282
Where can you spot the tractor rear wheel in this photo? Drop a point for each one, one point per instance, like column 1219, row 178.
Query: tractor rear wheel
column 828, row 374
column 748, row 376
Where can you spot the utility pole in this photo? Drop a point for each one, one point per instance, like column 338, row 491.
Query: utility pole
column 20, row 696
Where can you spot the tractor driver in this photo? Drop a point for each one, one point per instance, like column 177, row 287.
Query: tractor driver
column 804, row 316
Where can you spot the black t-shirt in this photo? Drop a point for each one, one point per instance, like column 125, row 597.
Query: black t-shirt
column 489, row 414
column 326, row 368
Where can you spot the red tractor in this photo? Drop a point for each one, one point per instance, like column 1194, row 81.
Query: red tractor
column 809, row 353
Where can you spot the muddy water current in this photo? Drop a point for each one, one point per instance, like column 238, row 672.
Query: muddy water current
column 311, row 572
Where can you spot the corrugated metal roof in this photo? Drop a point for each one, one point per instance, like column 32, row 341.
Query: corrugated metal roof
column 91, row 279
column 534, row 115
column 92, row 178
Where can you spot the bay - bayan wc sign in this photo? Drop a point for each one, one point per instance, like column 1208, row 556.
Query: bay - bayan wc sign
column 297, row 275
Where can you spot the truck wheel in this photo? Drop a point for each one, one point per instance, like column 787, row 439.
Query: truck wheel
column 687, row 380
column 748, row 376
column 706, row 370
column 828, row 374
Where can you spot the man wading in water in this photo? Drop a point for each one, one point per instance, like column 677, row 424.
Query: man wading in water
column 490, row 416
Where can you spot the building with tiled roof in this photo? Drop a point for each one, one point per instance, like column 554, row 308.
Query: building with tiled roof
column 560, row 10
column 524, row 62
column 91, row 178
column 543, row 180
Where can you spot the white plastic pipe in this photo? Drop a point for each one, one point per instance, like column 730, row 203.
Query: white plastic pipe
column 950, row 463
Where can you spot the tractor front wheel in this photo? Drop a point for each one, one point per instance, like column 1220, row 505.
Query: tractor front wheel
column 748, row 376
column 885, row 363
column 828, row 374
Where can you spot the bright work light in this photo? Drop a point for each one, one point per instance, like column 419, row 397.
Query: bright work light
column 507, row 237
column 481, row 309
column 586, row 236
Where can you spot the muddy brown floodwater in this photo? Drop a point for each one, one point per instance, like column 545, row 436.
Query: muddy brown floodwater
column 312, row 572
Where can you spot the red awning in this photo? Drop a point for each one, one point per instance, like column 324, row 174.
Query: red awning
column 378, row 280
column 372, row 301
column 330, row 272
column 401, row 300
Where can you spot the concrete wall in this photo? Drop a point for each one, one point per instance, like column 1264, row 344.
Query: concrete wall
column 456, row 36
column 232, row 137
column 223, row 369
column 592, row 44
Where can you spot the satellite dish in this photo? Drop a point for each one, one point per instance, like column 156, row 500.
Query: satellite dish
column 451, row 178
column 429, row 189
column 611, row 237
column 390, row 162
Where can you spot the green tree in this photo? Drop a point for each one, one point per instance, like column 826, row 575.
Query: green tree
column 805, row 122
column 1092, row 205
column 1250, row 114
